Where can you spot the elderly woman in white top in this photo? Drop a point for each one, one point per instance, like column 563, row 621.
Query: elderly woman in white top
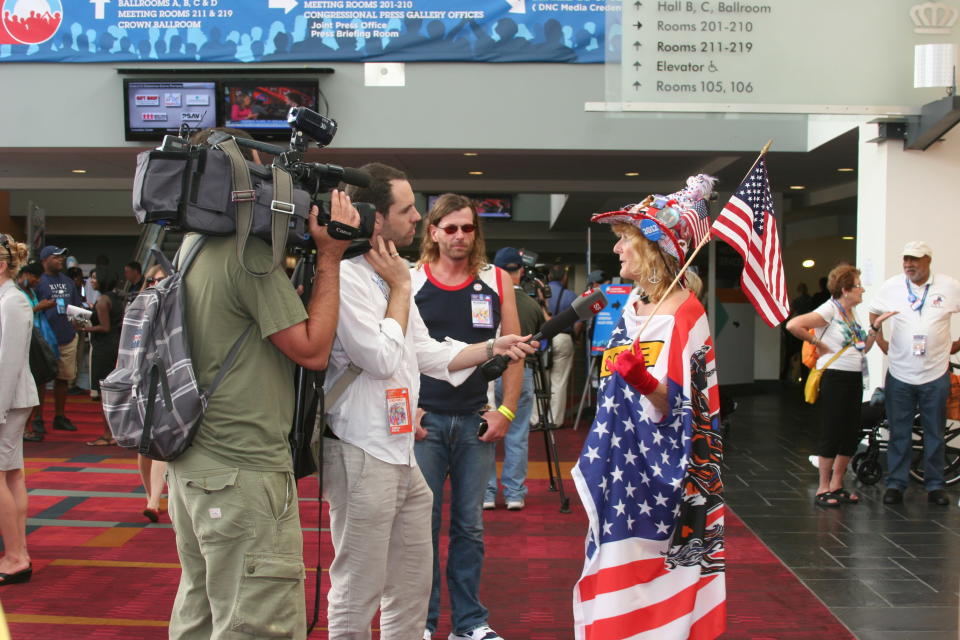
column 18, row 396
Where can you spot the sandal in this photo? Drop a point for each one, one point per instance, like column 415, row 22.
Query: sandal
column 101, row 442
column 846, row 497
column 824, row 500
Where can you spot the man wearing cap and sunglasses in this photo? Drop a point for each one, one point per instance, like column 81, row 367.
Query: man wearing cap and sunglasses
column 56, row 291
column 918, row 377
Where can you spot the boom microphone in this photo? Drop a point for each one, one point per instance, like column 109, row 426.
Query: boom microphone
column 587, row 305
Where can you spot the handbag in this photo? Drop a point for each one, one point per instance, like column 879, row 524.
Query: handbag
column 809, row 353
column 44, row 365
column 811, row 391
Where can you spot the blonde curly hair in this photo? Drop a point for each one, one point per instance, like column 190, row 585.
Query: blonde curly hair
column 14, row 253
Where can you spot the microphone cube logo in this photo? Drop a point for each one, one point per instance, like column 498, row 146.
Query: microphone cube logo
column 29, row 21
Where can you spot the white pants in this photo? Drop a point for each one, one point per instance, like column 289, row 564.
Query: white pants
column 380, row 522
column 561, row 364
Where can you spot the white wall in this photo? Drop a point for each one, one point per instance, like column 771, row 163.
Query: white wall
column 905, row 195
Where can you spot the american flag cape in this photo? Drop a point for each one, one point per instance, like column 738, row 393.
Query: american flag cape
column 747, row 224
column 654, row 566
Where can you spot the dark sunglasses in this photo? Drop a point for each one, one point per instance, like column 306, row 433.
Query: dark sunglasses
column 153, row 280
column 451, row 229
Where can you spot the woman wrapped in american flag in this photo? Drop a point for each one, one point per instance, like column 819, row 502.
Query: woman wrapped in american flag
column 649, row 474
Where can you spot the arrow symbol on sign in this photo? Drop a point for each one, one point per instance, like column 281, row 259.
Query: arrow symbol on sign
column 98, row 9
column 639, row 24
column 637, row 5
column 517, row 6
column 637, row 65
column 636, row 85
column 637, row 45
column 286, row 5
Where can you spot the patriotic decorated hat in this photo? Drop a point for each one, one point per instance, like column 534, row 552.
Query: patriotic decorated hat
column 677, row 222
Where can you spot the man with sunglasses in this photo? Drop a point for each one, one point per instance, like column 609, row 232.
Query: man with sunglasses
column 461, row 296
column 380, row 504
column 918, row 377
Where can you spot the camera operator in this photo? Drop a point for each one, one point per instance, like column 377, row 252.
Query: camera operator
column 380, row 504
column 232, row 494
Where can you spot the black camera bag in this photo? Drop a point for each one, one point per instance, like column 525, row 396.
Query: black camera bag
column 213, row 190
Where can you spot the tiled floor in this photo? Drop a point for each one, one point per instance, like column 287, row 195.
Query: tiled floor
column 888, row 573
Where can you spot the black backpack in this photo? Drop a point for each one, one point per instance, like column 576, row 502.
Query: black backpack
column 44, row 365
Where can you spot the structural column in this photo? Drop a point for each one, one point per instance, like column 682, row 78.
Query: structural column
column 905, row 195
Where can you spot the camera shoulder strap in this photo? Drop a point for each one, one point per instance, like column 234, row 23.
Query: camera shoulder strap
column 244, row 196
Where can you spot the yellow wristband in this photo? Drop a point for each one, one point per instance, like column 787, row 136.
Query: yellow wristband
column 509, row 415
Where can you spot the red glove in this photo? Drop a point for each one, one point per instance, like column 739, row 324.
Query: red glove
column 633, row 368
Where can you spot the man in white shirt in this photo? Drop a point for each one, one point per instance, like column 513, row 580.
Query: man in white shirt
column 918, row 379
column 380, row 504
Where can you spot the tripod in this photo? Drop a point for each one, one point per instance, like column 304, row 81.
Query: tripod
column 308, row 387
column 541, row 393
column 585, row 397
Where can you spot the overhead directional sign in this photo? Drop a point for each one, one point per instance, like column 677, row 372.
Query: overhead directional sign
column 304, row 30
column 778, row 52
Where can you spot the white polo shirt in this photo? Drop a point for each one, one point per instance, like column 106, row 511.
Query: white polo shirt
column 909, row 327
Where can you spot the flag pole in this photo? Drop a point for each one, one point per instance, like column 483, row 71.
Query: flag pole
column 703, row 242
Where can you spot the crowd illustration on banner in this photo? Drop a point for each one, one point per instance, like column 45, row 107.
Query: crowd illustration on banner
column 503, row 39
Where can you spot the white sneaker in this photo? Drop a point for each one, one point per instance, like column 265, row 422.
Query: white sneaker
column 427, row 634
column 515, row 505
column 489, row 504
column 483, row 632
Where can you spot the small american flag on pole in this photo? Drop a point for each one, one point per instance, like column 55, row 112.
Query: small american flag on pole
column 747, row 224
column 697, row 220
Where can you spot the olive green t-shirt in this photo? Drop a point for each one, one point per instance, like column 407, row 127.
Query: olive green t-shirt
column 250, row 413
column 531, row 313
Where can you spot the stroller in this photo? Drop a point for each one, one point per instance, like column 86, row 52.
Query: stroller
column 866, row 464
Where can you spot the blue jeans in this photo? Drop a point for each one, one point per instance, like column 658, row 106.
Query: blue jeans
column 903, row 401
column 514, row 474
column 452, row 448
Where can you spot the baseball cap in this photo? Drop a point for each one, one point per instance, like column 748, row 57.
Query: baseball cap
column 508, row 259
column 917, row 249
column 51, row 250
column 597, row 275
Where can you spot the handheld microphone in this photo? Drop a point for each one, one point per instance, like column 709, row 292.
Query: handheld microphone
column 587, row 305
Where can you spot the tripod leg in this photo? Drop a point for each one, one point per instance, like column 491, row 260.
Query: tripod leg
column 586, row 393
column 552, row 446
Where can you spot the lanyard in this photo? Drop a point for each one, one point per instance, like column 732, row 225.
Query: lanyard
column 857, row 335
column 912, row 297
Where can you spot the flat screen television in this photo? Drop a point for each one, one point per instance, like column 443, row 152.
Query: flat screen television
column 154, row 108
column 261, row 107
column 487, row 206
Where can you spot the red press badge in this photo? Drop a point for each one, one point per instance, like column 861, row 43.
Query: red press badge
column 398, row 411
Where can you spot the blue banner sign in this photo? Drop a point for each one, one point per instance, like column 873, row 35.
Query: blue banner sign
column 606, row 321
column 305, row 30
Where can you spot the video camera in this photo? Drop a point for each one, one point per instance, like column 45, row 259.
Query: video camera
column 534, row 280
column 316, row 178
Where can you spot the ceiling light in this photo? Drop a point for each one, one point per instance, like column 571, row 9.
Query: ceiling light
column 846, row 169
column 847, row 237
column 475, row 173
column 632, row 174
column 808, row 263
column 471, row 154
column 797, row 187
column 78, row 171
